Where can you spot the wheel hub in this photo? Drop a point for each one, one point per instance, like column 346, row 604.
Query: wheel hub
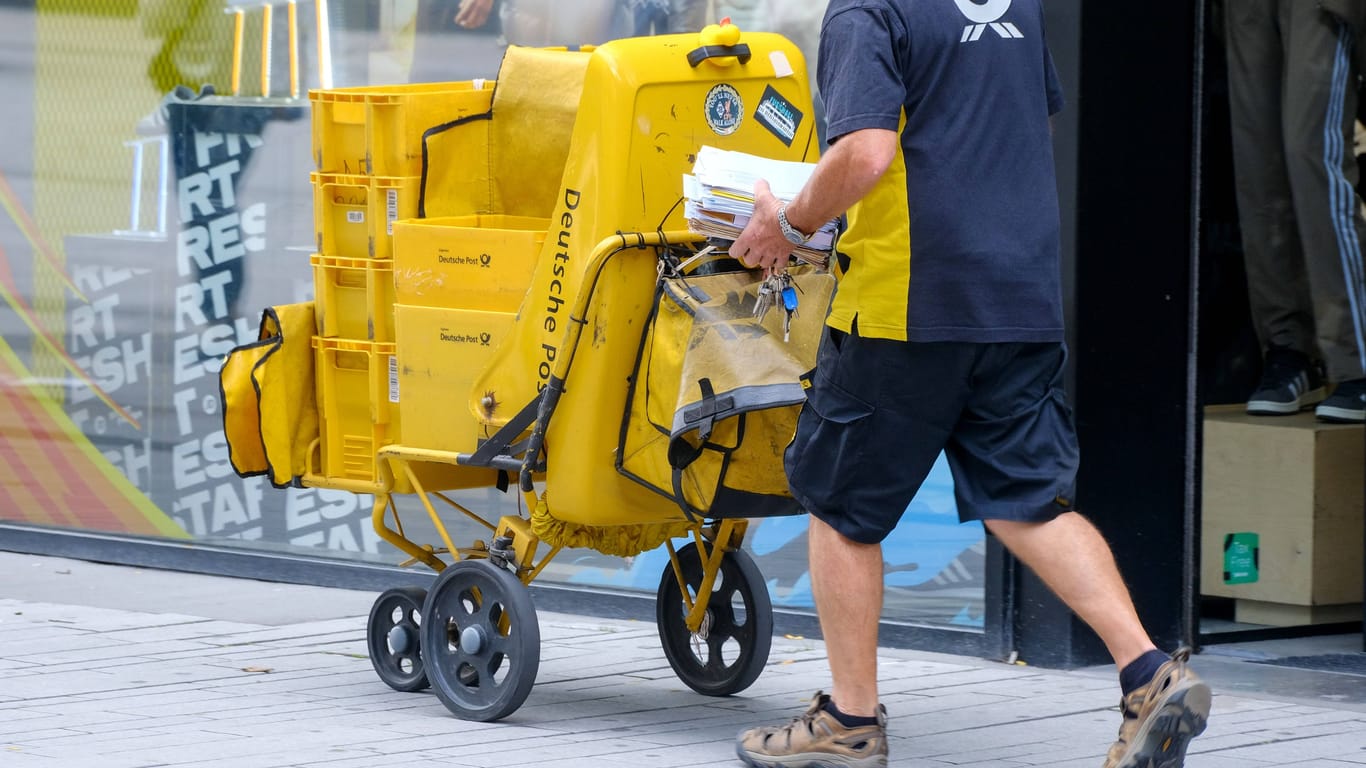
column 400, row 640
column 699, row 638
column 472, row 640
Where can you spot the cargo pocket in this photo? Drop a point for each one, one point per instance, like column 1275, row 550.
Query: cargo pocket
column 826, row 456
column 832, row 403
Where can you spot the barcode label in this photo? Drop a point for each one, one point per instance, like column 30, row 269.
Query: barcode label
column 355, row 217
column 393, row 209
column 393, row 379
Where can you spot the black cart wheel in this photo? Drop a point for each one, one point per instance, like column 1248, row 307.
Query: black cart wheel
column 480, row 640
column 729, row 651
column 394, row 637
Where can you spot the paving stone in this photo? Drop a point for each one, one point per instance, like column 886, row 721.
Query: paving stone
column 107, row 688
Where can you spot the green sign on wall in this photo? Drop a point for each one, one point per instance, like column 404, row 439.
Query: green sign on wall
column 1240, row 558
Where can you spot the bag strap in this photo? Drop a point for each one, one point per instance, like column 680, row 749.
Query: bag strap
column 680, row 497
column 681, row 452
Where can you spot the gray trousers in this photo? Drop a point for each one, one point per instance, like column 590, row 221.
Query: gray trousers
column 1293, row 95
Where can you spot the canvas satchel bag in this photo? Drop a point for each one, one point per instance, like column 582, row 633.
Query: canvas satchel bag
column 716, row 392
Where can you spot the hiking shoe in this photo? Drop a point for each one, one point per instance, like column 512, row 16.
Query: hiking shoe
column 1290, row 383
column 815, row 740
column 1347, row 404
column 1161, row 718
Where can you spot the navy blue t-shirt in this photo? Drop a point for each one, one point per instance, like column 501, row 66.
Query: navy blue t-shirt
column 959, row 240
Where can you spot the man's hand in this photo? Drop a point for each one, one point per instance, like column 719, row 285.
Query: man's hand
column 473, row 13
column 847, row 172
column 762, row 243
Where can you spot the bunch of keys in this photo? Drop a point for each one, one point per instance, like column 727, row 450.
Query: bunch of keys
column 777, row 289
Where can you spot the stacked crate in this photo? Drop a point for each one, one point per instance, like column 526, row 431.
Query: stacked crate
column 367, row 149
column 458, row 284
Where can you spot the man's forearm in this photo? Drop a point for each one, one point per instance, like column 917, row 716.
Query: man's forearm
column 844, row 175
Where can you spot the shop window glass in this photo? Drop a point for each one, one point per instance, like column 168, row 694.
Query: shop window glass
column 145, row 227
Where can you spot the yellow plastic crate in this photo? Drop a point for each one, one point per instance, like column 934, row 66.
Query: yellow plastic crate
column 354, row 215
column 377, row 130
column 357, row 405
column 440, row 353
column 354, row 298
column 466, row 262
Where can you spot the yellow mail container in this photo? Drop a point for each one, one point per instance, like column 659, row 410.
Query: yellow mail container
column 466, row 262
column 357, row 405
column 354, row 298
column 440, row 352
column 377, row 130
column 354, row 215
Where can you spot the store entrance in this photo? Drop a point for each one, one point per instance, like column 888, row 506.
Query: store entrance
column 1280, row 496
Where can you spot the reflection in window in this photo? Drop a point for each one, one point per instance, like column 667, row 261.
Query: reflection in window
column 144, row 227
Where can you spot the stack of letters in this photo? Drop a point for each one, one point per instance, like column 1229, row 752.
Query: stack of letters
column 719, row 196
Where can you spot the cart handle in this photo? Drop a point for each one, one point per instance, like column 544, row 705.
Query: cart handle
column 699, row 55
column 578, row 316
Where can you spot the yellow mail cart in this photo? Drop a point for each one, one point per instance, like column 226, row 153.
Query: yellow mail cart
column 507, row 296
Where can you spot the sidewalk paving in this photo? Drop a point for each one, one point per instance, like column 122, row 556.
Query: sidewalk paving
column 113, row 667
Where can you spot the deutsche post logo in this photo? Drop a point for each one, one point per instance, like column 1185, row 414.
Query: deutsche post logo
column 724, row 109
column 986, row 14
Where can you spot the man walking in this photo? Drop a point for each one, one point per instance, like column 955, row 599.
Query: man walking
column 946, row 334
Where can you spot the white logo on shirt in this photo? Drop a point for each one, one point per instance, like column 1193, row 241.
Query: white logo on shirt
column 986, row 14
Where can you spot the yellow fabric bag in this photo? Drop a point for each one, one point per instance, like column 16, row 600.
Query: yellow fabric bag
column 716, row 393
column 510, row 159
column 242, row 411
column 270, row 410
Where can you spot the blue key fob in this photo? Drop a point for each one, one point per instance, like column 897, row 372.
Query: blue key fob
column 789, row 298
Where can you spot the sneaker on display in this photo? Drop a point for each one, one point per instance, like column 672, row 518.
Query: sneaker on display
column 1290, row 383
column 1161, row 718
column 815, row 739
column 1347, row 404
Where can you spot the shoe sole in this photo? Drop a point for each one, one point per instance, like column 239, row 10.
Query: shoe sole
column 1334, row 415
column 1274, row 408
column 1163, row 741
column 808, row 760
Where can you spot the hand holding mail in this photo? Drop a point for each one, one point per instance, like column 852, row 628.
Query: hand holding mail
column 719, row 204
column 761, row 243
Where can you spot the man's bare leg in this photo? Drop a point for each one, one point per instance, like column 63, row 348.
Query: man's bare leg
column 846, row 581
column 1075, row 561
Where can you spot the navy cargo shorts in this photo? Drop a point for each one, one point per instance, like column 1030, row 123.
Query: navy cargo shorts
column 878, row 412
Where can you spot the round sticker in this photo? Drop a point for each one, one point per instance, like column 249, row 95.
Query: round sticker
column 724, row 109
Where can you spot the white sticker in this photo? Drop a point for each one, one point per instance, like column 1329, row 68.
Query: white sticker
column 393, row 378
column 781, row 66
column 393, row 209
column 355, row 217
